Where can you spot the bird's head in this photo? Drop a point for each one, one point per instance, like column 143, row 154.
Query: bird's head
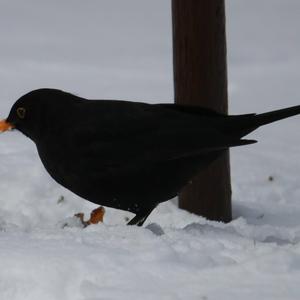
column 33, row 112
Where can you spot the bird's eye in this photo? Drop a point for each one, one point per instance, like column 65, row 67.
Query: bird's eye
column 21, row 111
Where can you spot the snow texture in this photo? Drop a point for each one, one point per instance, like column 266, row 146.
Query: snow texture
column 122, row 49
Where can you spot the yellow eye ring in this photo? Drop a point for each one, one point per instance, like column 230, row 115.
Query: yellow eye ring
column 21, row 112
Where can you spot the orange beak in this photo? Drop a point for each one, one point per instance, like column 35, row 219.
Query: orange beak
column 4, row 126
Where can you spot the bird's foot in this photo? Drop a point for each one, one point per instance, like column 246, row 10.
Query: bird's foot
column 95, row 217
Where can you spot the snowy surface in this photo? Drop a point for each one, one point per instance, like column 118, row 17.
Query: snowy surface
column 122, row 49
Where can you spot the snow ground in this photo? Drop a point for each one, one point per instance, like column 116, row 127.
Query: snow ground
column 122, row 49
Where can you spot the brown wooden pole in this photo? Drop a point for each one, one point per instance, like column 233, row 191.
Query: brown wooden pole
column 200, row 78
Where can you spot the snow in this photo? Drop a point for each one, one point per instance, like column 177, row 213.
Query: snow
column 122, row 49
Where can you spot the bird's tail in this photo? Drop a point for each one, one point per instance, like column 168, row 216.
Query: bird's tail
column 242, row 125
column 276, row 115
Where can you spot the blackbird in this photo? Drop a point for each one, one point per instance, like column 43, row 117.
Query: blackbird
column 127, row 155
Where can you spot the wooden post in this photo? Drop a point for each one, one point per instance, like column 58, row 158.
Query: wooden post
column 200, row 78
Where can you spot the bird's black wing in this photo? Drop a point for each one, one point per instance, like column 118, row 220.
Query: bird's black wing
column 123, row 133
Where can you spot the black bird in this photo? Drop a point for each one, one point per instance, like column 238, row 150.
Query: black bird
column 124, row 154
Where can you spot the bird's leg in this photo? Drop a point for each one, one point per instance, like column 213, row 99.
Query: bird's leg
column 137, row 220
column 140, row 217
column 95, row 217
